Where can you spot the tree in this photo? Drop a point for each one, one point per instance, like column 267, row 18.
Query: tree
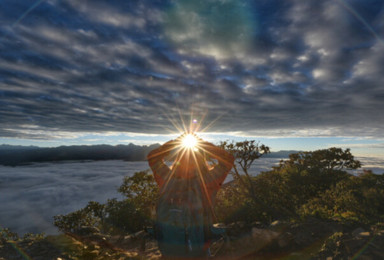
column 91, row 216
column 356, row 199
column 141, row 189
column 245, row 154
column 124, row 217
column 281, row 192
column 129, row 215
column 238, row 199
column 308, row 174
column 326, row 159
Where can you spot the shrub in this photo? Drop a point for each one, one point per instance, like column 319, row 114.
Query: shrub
column 281, row 192
column 92, row 216
column 357, row 199
column 126, row 216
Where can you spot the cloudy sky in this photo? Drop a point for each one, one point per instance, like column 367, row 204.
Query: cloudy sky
column 293, row 74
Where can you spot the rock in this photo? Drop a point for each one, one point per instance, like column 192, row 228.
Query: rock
column 285, row 239
column 264, row 234
column 236, row 229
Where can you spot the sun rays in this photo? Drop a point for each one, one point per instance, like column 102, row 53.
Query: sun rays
column 188, row 155
column 189, row 141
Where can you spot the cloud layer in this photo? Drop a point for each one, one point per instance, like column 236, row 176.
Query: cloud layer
column 32, row 195
column 266, row 66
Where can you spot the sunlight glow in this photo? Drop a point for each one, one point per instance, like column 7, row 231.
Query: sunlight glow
column 189, row 141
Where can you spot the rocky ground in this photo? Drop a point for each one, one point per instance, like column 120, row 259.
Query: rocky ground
column 312, row 239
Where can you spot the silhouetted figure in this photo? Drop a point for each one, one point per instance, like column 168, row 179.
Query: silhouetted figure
column 187, row 194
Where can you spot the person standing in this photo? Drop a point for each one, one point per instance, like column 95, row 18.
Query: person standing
column 188, row 190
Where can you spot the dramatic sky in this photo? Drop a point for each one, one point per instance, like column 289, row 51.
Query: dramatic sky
column 299, row 74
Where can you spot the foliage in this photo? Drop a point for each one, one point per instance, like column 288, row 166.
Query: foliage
column 124, row 217
column 141, row 189
column 357, row 199
column 282, row 192
column 33, row 236
column 233, row 200
column 331, row 244
column 8, row 235
column 91, row 216
column 306, row 175
column 325, row 159
column 245, row 154
column 116, row 217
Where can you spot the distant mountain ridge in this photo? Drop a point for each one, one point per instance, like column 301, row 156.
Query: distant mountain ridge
column 16, row 147
column 280, row 154
column 18, row 155
column 14, row 155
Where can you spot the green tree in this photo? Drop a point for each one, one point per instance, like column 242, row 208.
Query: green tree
column 129, row 215
column 356, row 199
column 308, row 174
column 281, row 192
column 124, row 217
column 142, row 190
column 234, row 201
column 92, row 215
column 245, row 154
column 326, row 160
column 140, row 187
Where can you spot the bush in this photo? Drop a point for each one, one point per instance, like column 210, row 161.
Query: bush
column 282, row 192
column 117, row 217
column 91, row 216
column 357, row 199
column 124, row 217
column 142, row 190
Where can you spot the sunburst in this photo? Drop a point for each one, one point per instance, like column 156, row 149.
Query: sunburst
column 190, row 145
column 189, row 141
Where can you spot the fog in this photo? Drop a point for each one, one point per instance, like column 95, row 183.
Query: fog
column 31, row 195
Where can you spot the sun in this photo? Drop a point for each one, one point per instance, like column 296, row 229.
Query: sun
column 189, row 141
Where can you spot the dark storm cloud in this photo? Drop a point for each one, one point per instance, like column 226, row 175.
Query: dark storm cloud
column 87, row 66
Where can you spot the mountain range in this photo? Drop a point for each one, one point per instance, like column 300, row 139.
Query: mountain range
column 14, row 155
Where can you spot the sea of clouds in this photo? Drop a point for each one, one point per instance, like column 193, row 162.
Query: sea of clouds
column 31, row 195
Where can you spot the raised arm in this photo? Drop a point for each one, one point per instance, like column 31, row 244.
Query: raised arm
column 225, row 162
column 156, row 161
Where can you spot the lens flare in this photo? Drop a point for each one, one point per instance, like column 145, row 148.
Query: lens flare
column 189, row 141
